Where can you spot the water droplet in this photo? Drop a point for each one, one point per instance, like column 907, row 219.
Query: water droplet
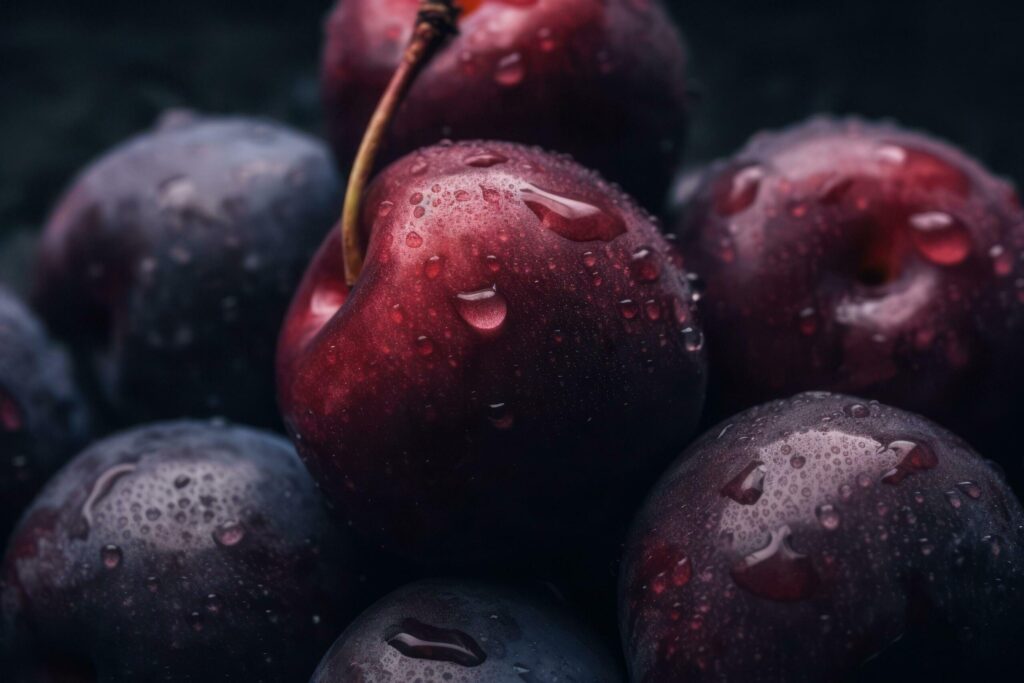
column 914, row 457
column 628, row 308
column 682, row 572
column 857, row 410
column 511, row 70
column 500, row 416
column 417, row 640
column 485, row 159
column 397, row 314
column 424, row 346
column 693, row 339
column 808, row 322
column 493, row 264
column 100, row 489
column 181, row 481
column 194, row 620
column 152, row 584
column 737, row 191
column 589, row 259
column 229, row 534
column 777, row 572
column 111, row 556
column 571, row 218
column 384, row 209
column 797, row 462
column 954, row 499
column 995, row 544
column 644, row 266
column 653, row 310
column 747, row 486
column 970, row 489
column 485, row 309
column 941, row 238
column 927, row 548
column 214, row 604
column 432, row 268
column 828, row 517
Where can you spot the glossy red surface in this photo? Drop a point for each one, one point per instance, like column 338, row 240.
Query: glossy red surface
column 518, row 358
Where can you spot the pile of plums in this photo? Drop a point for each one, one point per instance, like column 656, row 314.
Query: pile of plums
column 524, row 359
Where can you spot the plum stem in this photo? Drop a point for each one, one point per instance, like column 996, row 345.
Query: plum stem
column 436, row 20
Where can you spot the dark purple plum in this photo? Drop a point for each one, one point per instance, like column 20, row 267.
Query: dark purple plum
column 181, row 552
column 466, row 632
column 170, row 262
column 825, row 538
column 863, row 258
column 43, row 418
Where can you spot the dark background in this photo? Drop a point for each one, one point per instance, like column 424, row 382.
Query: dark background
column 77, row 77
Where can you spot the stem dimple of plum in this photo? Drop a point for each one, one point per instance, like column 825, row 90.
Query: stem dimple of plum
column 436, row 21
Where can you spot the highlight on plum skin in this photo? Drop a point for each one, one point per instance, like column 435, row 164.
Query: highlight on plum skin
column 563, row 74
column 521, row 343
column 182, row 551
column 437, row 631
column 866, row 258
column 824, row 537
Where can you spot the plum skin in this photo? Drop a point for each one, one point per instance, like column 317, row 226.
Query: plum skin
column 805, row 536
column 181, row 552
column 864, row 258
column 504, row 634
column 44, row 418
column 568, row 75
column 446, row 405
column 170, row 262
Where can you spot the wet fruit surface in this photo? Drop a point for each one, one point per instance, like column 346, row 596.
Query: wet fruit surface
column 878, row 546
column 865, row 258
column 527, row 71
column 516, row 361
column 466, row 632
column 170, row 262
column 43, row 418
column 178, row 552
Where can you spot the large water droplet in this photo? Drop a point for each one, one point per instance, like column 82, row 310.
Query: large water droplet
column 693, row 339
column 857, row 410
column 970, row 489
column 570, row 218
column 941, row 238
column 644, row 266
column 747, row 486
column 737, row 191
column 111, row 556
column 485, row 159
column 777, row 572
column 828, row 517
column 485, row 309
column 415, row 639
column 229, row 534
column 500, row 415
column 100, row 489
column 511, row 70
column 914, row 457
column 433, row 267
